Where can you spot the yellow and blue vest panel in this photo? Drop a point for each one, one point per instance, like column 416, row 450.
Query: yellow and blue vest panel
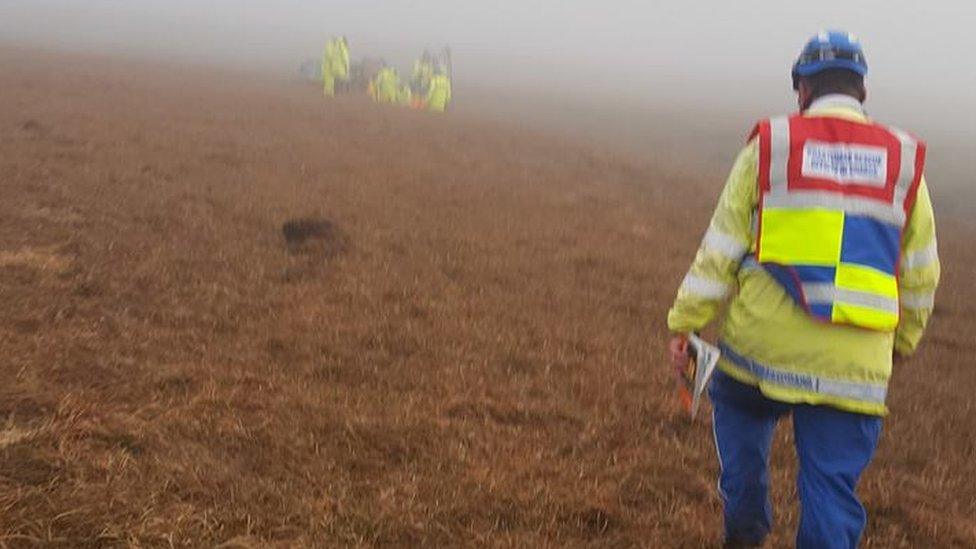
column 838, row 266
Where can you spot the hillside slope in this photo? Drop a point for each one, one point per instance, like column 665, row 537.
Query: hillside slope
column 476, row 358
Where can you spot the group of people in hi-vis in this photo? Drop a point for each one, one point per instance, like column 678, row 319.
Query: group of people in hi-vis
column 428, row 88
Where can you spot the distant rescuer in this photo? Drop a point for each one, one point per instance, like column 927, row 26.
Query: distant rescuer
column 826, row 227
column 386, row 86
column 439, row 93
column 335, row 64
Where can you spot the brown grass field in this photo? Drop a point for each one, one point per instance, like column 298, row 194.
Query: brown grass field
column 477, row 361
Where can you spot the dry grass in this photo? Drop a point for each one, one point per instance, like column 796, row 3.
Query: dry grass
column 480, row 365
column 45, row 261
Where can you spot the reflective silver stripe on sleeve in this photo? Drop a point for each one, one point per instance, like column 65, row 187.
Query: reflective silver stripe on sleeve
column 865, row 392
column 703, row 287
column 826, row 292
column 723, row 243
column 779, row 153
column 832, row 201
column 916, row 301
column 921, row 258
column 906, row 173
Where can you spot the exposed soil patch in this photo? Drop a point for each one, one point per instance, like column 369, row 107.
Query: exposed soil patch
column 314, row 234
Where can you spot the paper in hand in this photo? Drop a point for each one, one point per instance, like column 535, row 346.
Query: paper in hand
column 702, row 360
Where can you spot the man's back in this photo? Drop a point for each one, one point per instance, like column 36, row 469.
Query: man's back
column 761, row 311
column 824, row 238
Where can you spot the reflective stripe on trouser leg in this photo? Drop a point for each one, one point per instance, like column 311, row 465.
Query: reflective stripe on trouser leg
column 833, row 448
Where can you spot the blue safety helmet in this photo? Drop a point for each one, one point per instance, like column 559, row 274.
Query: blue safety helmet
column 830, row 50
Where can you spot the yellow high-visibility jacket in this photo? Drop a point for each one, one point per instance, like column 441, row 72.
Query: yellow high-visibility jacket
column 439, row 95
column 335, row 64
column 337, row 53
column 387, row 85
column 772, row 343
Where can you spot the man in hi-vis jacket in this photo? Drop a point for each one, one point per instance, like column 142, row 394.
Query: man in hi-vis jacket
column 824, row 237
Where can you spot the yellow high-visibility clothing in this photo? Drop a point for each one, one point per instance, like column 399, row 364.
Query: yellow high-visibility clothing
column 404, row 95
column 439, row 95
column 342, row 70
column 335, row 64
column 769, row 341
column 328, row 81
column 387, row 85
column 834, row 197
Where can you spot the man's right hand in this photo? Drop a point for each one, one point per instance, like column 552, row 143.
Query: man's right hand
column 678, row 349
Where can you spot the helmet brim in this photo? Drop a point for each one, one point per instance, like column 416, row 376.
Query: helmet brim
column 820, row 66
column 810, row 69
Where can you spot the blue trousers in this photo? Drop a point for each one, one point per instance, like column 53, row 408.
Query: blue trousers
column 833, row 448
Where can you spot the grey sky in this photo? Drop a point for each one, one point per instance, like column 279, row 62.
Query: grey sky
column 736, row 50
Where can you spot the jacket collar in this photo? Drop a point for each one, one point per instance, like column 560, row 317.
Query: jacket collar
column 836, row 101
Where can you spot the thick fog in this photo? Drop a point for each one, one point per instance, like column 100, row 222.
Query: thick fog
column 630, row 47
column 716, row 56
